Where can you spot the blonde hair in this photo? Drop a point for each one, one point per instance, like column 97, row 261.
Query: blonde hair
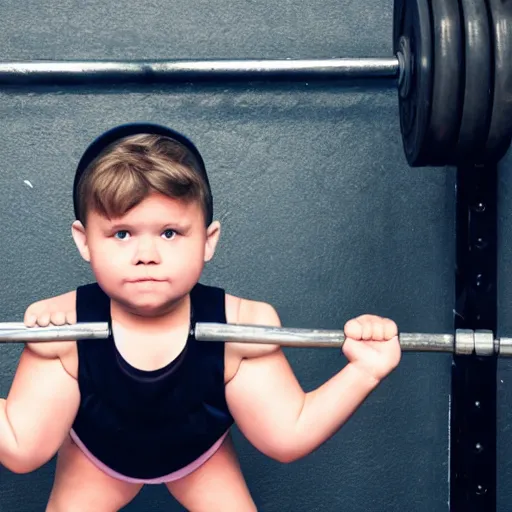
column 132, row 168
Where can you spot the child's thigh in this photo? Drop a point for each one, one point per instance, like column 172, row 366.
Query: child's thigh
column 217, row 486
column 82, row 487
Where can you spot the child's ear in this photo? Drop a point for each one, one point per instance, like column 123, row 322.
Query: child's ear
column 212, row 238
column 80, row 238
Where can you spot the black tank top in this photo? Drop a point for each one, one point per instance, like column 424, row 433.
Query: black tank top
column 147, row 424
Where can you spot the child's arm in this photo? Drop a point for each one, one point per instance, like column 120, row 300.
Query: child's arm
column 279, row 418
column 38, row 413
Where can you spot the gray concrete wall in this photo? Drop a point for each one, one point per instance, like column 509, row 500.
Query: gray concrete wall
column 322, row 217
column 504, row 380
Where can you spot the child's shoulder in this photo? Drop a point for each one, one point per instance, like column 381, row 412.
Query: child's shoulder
column 247, row 311
column 250, row 312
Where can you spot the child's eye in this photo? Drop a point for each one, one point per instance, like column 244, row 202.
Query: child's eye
column 121, row 235
column 169, row 234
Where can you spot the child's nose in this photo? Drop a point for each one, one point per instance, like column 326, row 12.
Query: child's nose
column 147, row 252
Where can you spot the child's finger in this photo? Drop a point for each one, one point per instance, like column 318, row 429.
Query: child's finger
column 30, row 319
column 71, row 317
column 367, row 329
column 390, row 329
column 378, row 330
column 353, row 329
column 58, row 318
column 43, row 319
column 30, row 316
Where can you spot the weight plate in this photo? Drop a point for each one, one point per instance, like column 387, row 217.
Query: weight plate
column 500, row 130
column 477, row 86
column 448, row 69
column 412, row 29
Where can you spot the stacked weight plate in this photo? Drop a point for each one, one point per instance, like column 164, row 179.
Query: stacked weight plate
column 455, row 93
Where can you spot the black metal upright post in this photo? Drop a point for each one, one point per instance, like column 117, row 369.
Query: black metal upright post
column 473, row 412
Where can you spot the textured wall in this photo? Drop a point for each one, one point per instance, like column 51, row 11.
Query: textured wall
column 504, row 381
column 322, row 217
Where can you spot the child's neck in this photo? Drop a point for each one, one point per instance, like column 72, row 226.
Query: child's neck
column 173, row 318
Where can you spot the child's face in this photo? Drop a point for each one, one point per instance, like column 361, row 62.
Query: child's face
column 150, row 257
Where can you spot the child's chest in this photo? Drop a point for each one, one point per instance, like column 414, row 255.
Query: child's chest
column 149, row 352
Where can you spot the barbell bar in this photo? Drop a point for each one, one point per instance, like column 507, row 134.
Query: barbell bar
column 17, row 332
column 176, row 71
column 463, row 342
column 451, row 63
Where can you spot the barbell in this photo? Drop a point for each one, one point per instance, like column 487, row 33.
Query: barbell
column 463, row 342
column 452, row 65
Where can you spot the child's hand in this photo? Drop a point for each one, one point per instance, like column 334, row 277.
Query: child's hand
column 371, row 344
column 58, row 310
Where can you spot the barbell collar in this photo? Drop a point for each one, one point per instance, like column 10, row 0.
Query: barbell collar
column 464, row 342
column 503, row 347
column 179, row 71
column 484, row 343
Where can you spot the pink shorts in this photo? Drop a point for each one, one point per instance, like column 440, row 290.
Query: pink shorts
column 160, row 480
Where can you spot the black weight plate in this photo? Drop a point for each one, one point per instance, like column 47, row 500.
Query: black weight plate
column 411, row 19
column 477, row 81
column 500, row 130
column 448, row 69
